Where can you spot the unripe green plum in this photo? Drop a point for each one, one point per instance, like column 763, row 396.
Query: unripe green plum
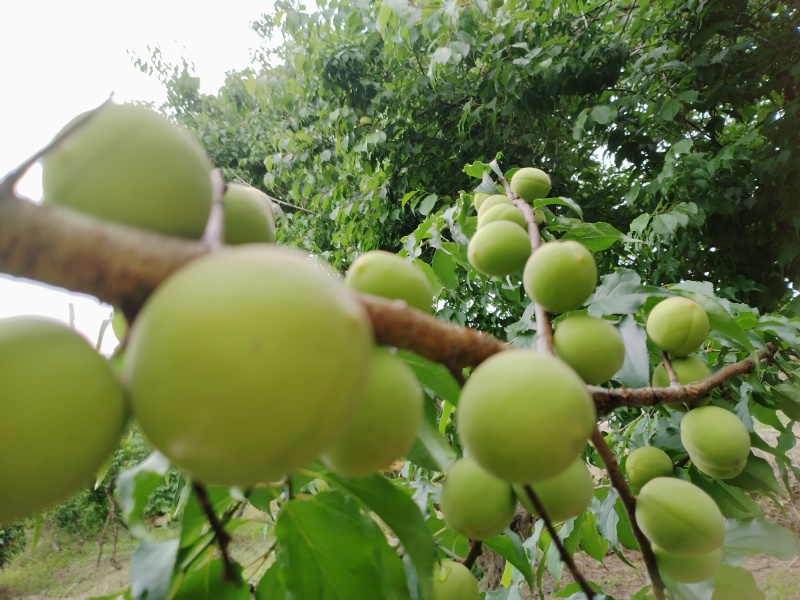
column 560, row 276
column 475, row 503
column 679, row 517
column 130, row 165
column 62, row 412
column 691, row 569
column 119, row 324
column 525, row 416
column 492, row 201
column 646, row 463
column 246, row 364
column 717, row 441
column 688, row 369
column 249, row 217
column 591, row 346
column 503, row 212
column 499, row 249
column 478, row 198
column 385, row 423
column 384, row 274
column 530, row 184
column 678, row 326
column 563, row 496
column 453, row 581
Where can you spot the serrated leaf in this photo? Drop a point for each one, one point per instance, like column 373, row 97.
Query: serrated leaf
column 152, row 565
column 756, row 536
column 509, row 546
column 401, row 515
column 328, row 550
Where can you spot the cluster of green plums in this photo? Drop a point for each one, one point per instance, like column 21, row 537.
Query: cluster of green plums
column 242, row 367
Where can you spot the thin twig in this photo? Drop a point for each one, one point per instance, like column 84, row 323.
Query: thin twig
column 562, row 550
column 673, row 377
column 475, row 549
column 222, row 536
column 629, row 503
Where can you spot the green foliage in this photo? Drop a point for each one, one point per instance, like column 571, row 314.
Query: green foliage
column 12, row 542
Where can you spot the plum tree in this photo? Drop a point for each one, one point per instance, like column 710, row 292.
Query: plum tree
column 560, row 275
column 530, row 184
column 130, row 165
column 646, row 463
column 717, row 441
column 453, row 581
column 499, row 249
column 390, row 276
column 563, row 496
column 249, row 217
column 679, row 517
column 63, row 412
column 525, row 416
column 474, row 503
column 246, row 342
column 591, row 346
column 385, row 423
column 678, row 325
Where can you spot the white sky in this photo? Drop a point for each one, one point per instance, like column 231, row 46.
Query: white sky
column 58, row 59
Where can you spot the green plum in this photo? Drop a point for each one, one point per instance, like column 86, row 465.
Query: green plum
column 717, row 441
column 499, row 249
column 688, row 569
column 246, row 364
column 591, row 346
column 384, row 274
column 130, row 165
column 503, row 212
column 678, row 326
column 249, row 217
column 63, row 412
column 560, row 276
column 385, row 423
column 646, row 463
column 492, row 201
column 530, row 184
column 525, row 416
column 563, row 496
column 453, row 581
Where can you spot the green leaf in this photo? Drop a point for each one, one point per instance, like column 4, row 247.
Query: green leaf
column 329, row 550
column 596, row 236
column 134, row 488
column 732, row 501
column 635, row 372
column 758, row 476
column 445, row 268
column 433, row 376
column 620, row 293
column 603, row 115
column 206, row 581
column 272, row 585
column 591, row 541
column 427, row 204
column 756, row 536
column 568, row 202
column 401, row 514
column 509, row 546
column 670, row 110
column 721, row 321
column 431, row 450
column 152, row 565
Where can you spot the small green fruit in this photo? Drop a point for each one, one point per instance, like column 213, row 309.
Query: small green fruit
column 390, row 276
column 453, row 581
column 385, row 423
column 63, row 412
column 646, row 463
column 492, row 201
column 679, row 517
column 717, row 441
column 474, row 503
column 678, row 326
column 246, row 364
column 591, row 346
column 530, row 184
column 119, row 324
column 564, row 496
column 130, row 165
column 503, row 212
column 365, row 121
column 688, row 369
column 249, row 217
column 691, row 569
column 525, row 416
column 499, row 249
column 478, row 198
column 560, row 276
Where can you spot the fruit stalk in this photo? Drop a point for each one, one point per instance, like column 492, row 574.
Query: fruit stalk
column 562, row 551
column 214, row 235
column 629, row 503
column 223, row 539
column 673, row 377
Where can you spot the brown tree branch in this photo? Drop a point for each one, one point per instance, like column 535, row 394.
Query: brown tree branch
column 629, row 503
column 222, row 536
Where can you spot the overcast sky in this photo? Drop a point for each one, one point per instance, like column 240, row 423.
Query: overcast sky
column 58, row 59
